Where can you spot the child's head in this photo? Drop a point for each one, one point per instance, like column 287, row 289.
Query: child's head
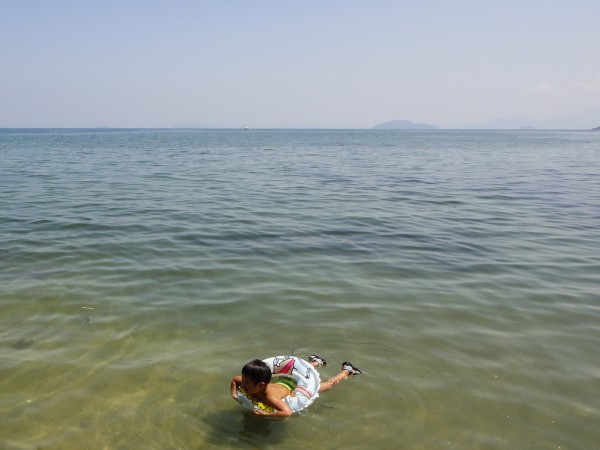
column 255, row 376
column 257, row 371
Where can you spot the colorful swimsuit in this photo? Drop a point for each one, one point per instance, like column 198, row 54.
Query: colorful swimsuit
column 288, row 382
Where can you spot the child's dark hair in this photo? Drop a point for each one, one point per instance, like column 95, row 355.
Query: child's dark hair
column 258, row 371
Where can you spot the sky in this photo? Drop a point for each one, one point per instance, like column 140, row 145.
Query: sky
column 292, row 64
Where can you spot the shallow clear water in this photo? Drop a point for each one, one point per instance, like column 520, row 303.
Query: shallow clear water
column 141, row 269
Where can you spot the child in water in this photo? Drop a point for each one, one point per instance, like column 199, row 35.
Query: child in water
column 256, row 380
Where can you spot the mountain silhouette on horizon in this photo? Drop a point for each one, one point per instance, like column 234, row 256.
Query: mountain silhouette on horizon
column 403, row 125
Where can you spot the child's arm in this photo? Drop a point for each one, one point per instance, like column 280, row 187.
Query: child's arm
column 235, row 382
column 283, row 409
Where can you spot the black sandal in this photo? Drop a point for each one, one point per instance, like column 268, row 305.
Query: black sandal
column 320, row 361
column 350, row 368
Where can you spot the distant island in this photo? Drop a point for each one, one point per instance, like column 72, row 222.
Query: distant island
column 403, row 125
column 596, row 129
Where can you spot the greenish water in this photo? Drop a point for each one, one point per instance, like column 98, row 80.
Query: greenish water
column 141, row 269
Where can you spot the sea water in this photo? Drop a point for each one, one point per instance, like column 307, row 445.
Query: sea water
column 141, row 269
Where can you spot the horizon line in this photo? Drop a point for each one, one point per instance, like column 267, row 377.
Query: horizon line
column 298, row 129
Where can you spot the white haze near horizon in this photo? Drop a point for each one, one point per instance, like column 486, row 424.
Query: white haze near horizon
column 270, row 64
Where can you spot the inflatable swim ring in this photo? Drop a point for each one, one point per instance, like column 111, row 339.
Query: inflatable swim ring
column 307, row 381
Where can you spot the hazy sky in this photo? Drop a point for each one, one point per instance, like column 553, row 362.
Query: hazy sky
column 326, row 64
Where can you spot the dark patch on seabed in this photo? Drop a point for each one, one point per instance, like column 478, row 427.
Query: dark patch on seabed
column 22, row 344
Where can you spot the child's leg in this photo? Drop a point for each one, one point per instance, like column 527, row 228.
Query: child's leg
column 347, row 370
column 332, row 382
